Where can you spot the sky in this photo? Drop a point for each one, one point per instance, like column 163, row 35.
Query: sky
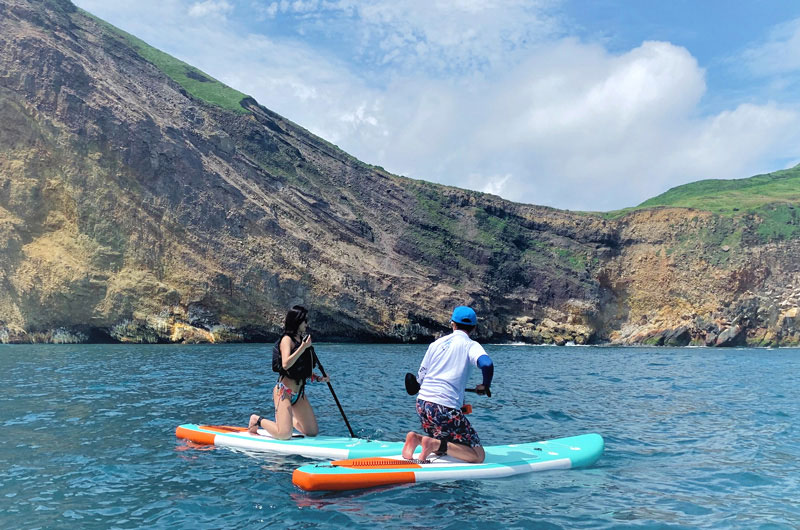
column 580, row 105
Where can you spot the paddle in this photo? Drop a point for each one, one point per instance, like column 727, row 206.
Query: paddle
column 321, row 369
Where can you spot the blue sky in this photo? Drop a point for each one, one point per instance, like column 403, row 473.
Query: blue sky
column 581, row 105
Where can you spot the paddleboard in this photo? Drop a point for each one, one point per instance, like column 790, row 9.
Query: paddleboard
column 501, row 461
column 328, row 447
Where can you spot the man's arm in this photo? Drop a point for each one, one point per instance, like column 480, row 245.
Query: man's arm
column 487, row 368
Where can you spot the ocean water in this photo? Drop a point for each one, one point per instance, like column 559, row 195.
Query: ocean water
column 695, row 438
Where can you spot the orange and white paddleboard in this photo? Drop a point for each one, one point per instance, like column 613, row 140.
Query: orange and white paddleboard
column 328, row 447
column 501, row 461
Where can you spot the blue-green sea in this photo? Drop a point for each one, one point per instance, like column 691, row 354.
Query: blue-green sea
column 695, row 438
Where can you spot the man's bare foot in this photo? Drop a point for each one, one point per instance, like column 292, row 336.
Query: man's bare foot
column 412, row 441
column 253, row 426
column 429, row 445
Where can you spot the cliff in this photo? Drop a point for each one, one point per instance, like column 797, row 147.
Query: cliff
column 143, row 201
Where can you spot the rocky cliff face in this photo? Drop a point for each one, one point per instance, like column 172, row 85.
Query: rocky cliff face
column 133, row 208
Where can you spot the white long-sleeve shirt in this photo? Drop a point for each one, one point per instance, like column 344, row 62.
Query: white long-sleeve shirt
column 446, row 367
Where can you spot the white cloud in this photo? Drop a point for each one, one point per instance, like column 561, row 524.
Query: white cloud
column 493, row 184
column 576, row 127
column 611, row 131
column 214, row 8
column 436, row 36
column 779, row 53
column 271, row 10
column 443, row 35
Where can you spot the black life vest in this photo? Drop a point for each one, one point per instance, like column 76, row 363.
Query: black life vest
column 302, row 367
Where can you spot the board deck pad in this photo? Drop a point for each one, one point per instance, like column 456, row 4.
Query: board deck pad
column 501, row 461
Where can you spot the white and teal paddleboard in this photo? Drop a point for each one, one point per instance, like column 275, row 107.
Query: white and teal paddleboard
column 501, row 461
column 328, row 447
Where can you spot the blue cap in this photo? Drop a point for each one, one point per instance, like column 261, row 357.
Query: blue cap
column 464, row 315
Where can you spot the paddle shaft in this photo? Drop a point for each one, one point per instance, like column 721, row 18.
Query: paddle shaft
column 336, row 399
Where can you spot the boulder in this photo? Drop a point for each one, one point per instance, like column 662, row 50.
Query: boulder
column 733, row 336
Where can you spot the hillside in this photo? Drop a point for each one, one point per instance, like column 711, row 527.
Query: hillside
column 729, row 196
column 771, row 198
column 143, row 201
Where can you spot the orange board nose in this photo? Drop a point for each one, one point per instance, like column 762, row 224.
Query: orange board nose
column 195, row 436
column 314, row 482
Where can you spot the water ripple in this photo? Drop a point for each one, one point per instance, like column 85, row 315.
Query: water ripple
column 694, row 438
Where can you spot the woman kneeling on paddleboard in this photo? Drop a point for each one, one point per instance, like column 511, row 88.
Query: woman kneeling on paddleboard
column 294, row 359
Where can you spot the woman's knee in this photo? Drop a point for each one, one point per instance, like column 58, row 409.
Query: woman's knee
column 308, row 428
column 283, row 434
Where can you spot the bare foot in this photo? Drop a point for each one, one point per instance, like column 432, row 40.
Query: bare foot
column 412, row 441
column 253, row 426
column 429, row 445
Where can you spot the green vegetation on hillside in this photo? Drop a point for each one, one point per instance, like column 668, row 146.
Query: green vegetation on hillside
column 434, row 207
column 728, row 196
column 195, row 82
column 779, row 221
column 771, row 200
column 497, row 232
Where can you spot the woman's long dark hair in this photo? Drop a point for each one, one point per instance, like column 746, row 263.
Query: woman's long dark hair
column 296, row 316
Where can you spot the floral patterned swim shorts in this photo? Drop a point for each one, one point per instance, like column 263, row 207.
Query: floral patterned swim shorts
column 444, row 423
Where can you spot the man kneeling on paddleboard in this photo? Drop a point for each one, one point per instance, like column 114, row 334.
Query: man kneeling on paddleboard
column 442, row 380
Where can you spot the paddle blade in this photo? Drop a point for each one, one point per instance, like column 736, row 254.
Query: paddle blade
column 412, row 387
